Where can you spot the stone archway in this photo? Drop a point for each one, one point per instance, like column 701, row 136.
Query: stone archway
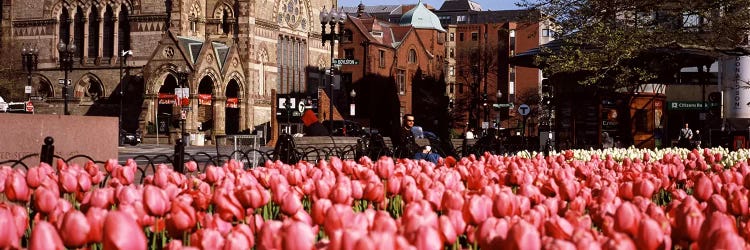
column 167, row 115
column 205, row 112
column 232, row 108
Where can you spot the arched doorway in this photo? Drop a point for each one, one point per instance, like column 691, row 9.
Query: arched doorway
column 166, row 118
column 232, row 108
column 205, row 106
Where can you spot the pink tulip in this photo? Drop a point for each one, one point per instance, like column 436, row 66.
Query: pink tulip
column 558, row 228
column 269, row 236
column 45, row 201
column 43, row 237
column 319, row 210
column 191, row 166
column 523, row 236
column 428, row 238
column 383, row 222
column 34, row 176
column 620, row 241
column 492, row 232
column 291, row 204
column 16, row 188
column 447, row 231
column 207, row 238
column 68, row 181
column 738, row 203
column 75, row 229
column 122, row 232
column 504, row 204
column 650, row 235
column 96, row 216
column 477, row 209
column 227, row 205
column 9, row 237
column 155, row 201
column 237, row 240
column 297, row 235
column 374, row 192
column 84, row 182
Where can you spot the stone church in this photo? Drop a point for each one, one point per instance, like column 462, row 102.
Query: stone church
column 231, row 55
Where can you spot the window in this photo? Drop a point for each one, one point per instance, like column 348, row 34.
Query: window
column 401, row 81
column 460, row 88
column 349, row 53
column 377, row 33
column 109, row 33
column 452, row 36
column 461, row 37
column 512, row 44
column 512, row 74
column 225, row 22
column 452, row 53
column 64, row 26
column 461, row 19
column 452, row 88
column 474, row 36
column 546, row 33
column 123, row 32
column 382, row 58
column 348, row 36
column 451, row 70
column 412, row 56
column 641, row 120
column 291, row 64
column 93, row 51
column 79, row 22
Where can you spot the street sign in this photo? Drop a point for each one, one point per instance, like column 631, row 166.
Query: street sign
column 503, row 105
column 29, row 107
column 345, row 61
column 27, row 90
column 524, row 109
column 62, row 81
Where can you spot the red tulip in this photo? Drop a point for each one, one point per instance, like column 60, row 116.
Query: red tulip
column 447, row 231
column 383, row 222
column 341, row 194
column 319, row 210
column 620, row 241
column 238, row 240
column 384, row 168
column 227, row 205
column 297, row 235
column 452, row 200
column 505, row 204
column 738, row 203
column 43, row 237
column 84, row 182
column 68, row 181
column 650, row 235
column 558, row 228
column 35, row 176
column 182, row 218
column 155, row 201
column 75, row 229
column 724, row 238
column 703, row 188
column 627, row 217
column 428, row 238
column 122, row 232
column 644, row 187
column 16, row 188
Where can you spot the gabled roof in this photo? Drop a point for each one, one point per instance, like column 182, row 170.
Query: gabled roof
column 421, row 18
column 193, row 46
column 460, row 5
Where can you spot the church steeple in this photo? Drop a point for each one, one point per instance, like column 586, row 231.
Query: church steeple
column 360, row 9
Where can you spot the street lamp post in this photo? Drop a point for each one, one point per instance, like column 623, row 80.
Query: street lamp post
column 182, row 74
column 331, row 18
column 67, row 53
column 29, row 59
column 353, row 107
column 124, row 54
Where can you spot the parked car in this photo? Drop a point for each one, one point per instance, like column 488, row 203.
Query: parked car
column 130, row 138
column 345, row 128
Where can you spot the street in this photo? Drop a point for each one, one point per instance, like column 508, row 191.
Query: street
column 157, row 153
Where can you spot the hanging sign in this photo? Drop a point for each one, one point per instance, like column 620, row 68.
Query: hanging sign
column 204, row 99
column 166, row 98
column 233, row 103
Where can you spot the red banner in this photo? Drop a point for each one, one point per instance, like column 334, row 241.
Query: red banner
column 166, row 98
column 233, row 103
column 204, row 99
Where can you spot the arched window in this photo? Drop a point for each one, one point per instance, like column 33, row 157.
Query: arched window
column 94, row 32
column 225, row 22
column 123, row 32
column 79, row 32
column 109, row 33
column 64, row 23
column 412, row 56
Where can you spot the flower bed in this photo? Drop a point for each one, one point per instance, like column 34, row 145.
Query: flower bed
column 581, row 199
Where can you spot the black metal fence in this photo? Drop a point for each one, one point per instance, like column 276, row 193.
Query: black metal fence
column 285, row 151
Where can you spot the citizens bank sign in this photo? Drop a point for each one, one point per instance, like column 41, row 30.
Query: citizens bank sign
column 735, row 82
column 690, row 105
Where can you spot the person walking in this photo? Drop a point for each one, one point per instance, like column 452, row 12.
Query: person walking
column 697, row 139
column 470, row 134
column 686, row 134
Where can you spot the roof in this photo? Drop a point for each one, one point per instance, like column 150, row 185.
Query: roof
column 460, row 5
column 194, row 45
column 421, row 18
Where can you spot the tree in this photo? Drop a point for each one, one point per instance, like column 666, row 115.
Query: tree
column 379, row 95
column 621, row 43
column 477, row 64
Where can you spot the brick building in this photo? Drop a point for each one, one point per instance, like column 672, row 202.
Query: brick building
column 478, row 45
column 397, row 50
column 238, row 53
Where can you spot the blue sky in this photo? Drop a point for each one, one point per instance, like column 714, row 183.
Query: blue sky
column 486, row 4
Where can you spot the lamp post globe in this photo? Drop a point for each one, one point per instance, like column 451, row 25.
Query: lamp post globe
column 332, row 17
column 67, row 53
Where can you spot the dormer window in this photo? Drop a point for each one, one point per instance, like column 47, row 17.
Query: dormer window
column 377, row 33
